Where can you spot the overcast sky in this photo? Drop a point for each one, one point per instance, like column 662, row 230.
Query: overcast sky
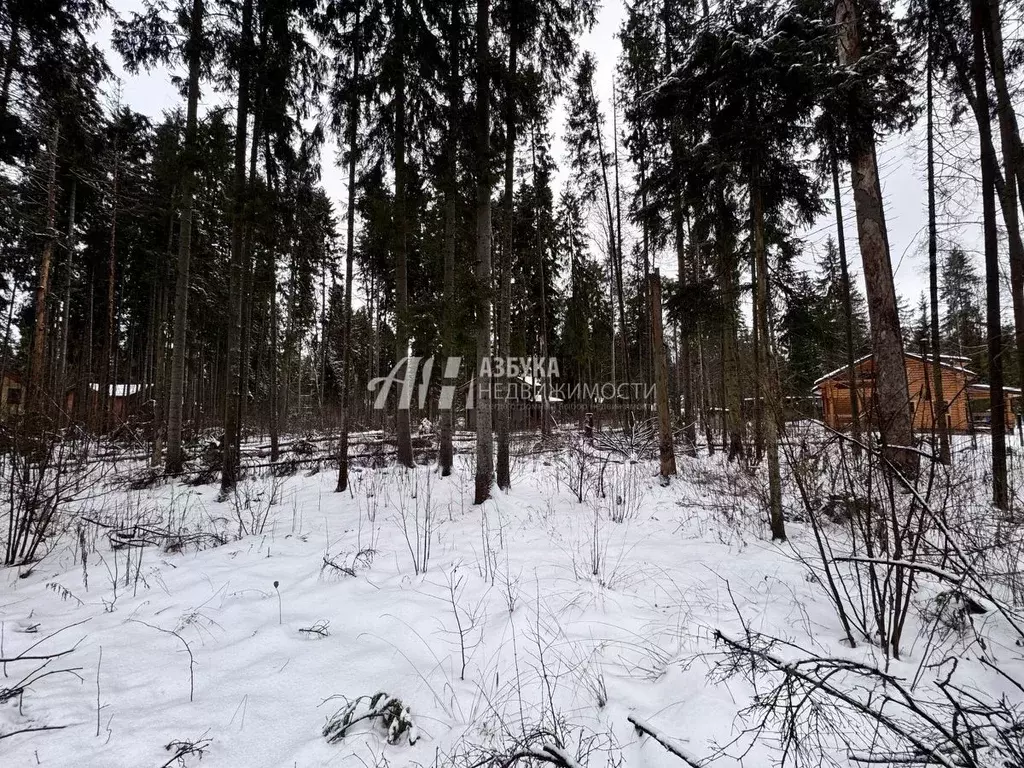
column 901, row 160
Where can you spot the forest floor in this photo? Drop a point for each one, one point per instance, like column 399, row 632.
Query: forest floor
column 534, row 619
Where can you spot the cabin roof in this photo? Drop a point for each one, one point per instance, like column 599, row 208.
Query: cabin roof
column 954, row 362
column 979, row 387
column 120, row 390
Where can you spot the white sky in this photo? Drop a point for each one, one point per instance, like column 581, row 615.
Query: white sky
column 901, row 159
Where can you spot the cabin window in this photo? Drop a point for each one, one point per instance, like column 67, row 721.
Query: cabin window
column 14, row 396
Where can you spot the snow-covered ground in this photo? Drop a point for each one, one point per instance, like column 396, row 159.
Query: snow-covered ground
column 533, row 615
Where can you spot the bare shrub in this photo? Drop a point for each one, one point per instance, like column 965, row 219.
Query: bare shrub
column 252, row 502
column 410, row 497
column 814, row 703
column 43, row 476
column 881, row 528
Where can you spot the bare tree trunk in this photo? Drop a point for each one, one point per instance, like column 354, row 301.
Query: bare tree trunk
column 248, row 277
column 893, row 400
column 768, row 380
column 615, row 256
column 83, row 409
column 939, row 414
column 402, row 425
column 733, row 424
column 997, row 408
column 689, row 424
column 275, row 384
column 37, row 361
column 545, row 408
column 482, row 400
column 350, row 259
column 502, row 413
column 65, row 315
column 666, row 449
column 455, row 98
column 620, row 258
column 175, row 399
column 1009, row 137
column 160, row 342
column 844, row 273
column 232, row 371
column 757, row 401
column 108, row 378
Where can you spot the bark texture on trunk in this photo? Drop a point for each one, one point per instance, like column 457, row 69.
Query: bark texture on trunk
column 997, row 406
column 938, row 397
column 66, row 314
column 232, row 369
column 545, row 408
column 892, row 407
column 768, row 382
column 482, row 399
column 37, row 361
column 402, row 424
column 503, row 413
column 666, row 450
column 350, row 260
column 446, row 453
column 175, row 398
column 844, row 273
column 1009, row 138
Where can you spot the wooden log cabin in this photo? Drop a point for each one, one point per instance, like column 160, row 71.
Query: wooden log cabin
column 966, row 398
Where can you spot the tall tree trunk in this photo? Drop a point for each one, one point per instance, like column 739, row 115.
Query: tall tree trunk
column 248, row 269
column 482, row 400
column 232, row 371
column 160, row 345
column 66, row 314
column 893, row 395
column 1013, row 166
column 689, row 423
column 402, row 425
column 615, row 256
column 618, row 237
column 939, row 414
column 666, row 449
column 545, row 408
column 175, row 398
column 979, row 12
column 275, row 384
column 768, row 380
column 733, row 422
column 108, row 378
column 503, row 414
column 350, row 259
column 37, row 361
column 757, row 401
column 844, row 274
column 446, row 451
column 647, row 365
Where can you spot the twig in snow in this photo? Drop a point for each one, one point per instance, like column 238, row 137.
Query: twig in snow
column 188, row 649
column 32, row 730
column 183, row 749
column 319, row 628
column 669, row 744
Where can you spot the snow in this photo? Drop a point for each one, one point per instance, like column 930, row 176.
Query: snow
column 531, row 611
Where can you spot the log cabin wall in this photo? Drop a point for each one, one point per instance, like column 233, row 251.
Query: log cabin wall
column 835, row 395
